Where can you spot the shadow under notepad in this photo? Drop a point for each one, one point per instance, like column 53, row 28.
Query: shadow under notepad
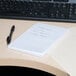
column 24, row 71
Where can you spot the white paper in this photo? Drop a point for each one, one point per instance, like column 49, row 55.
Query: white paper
column 38, row 39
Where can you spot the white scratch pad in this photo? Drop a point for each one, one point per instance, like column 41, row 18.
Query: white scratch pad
column 38, row 39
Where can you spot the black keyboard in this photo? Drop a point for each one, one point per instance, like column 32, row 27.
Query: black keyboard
column 49, row 10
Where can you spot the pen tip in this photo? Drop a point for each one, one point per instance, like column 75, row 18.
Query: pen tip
column 8, row 40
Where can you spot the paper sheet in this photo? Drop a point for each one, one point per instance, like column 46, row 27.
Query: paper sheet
column 38, row 39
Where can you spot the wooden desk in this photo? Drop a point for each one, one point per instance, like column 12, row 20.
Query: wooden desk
column 11, row 57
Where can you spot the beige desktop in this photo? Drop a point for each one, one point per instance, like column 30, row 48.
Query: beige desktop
column 10, row 57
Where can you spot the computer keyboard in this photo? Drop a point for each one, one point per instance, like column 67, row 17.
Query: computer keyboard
column 49, row 10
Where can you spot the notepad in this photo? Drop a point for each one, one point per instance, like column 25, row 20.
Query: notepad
column 38, row 39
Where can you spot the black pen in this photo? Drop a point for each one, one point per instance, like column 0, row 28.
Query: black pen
column 9, row 38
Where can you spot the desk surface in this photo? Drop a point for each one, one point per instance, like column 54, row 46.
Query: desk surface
column 10, row 57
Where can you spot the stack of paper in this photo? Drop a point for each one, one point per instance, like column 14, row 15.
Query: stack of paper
column 38, row 39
